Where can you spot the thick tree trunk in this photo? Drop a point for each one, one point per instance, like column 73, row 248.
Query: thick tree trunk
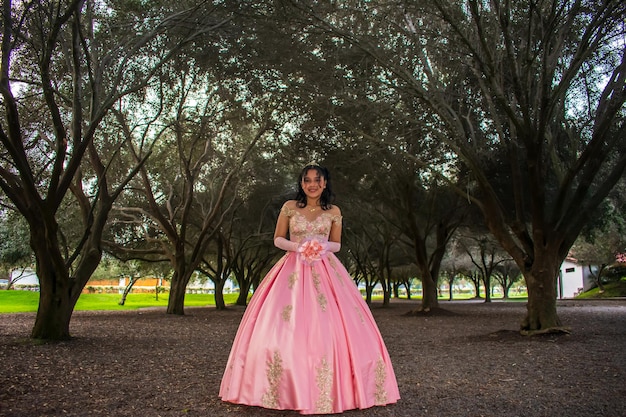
column 55, row 306
column 541, row 283
column 59, row 291
column 55, row 291
column 429, row 296
column 429, row 282
column 176, row 301
column 178, row 287
column 242, row 298
column 429, row 292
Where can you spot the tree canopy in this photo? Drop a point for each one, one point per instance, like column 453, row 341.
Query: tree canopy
column 158, row 130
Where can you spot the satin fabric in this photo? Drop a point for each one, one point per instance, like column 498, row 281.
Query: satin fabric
column 307, row 340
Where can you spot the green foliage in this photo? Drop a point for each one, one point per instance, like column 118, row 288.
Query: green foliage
column 611, row 290
column 27, row 301
column 614, row 272
column 14, row 248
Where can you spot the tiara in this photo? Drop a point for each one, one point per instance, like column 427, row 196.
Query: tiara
column 312, row 163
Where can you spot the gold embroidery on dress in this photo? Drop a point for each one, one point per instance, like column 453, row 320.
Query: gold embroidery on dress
column 287, row 312
column 324, row 379
column 274, row 372
column 333, row 263
column 321, row 300
column 381, row 377
column 301, row 228
column 359, row 313
column 316, row 279
column 287, row 211
column 293, row 278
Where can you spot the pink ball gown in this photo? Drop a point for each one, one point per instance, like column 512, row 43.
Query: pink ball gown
column 307, row 340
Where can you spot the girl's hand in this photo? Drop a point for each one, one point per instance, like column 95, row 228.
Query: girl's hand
column 311, row 251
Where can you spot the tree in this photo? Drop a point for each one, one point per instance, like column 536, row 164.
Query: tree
column 64, row 66
column 605, row 237
column 456, row 264
column 506, row 273
column 427, row 216
column 485, row 255
column 601, row 252
column 133, row 275
column 361, row 264
column 403, row 275
column 539, row 86
column 196, row 186
column 249, row 235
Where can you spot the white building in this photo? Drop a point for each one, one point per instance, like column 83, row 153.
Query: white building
column 24, row 277
column 574, row 278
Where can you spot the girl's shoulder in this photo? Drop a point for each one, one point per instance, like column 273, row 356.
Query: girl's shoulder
column 289, row 208
column 335, row 214
column 334, row 210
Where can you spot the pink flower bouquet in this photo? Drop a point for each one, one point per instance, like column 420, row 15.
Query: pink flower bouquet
column 311, row 251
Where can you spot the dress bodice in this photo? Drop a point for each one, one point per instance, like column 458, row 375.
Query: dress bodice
column 301, row 228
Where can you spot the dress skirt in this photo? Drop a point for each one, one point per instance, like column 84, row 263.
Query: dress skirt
column 308, row 342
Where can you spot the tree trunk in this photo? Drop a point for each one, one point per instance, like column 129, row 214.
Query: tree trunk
column 429, row 283
column 598, row 277
column 476, row 282
column 129, row 287
column 429, row 292
column 384, row 284
column 368, row 293
column 244, row 290
column 487, row 282
column 176, row 301
column 59, row 291
column 220, row 304
column 55, row 307
column 541, row 283
column 180, row 279
column 55, row 291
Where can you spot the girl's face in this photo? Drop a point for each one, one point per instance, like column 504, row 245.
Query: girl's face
column 313, row 184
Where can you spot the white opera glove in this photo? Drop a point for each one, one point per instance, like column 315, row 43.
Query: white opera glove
column 284, row 244
column 331, row 246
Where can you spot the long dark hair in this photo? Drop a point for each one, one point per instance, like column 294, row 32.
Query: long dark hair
column 327, row 196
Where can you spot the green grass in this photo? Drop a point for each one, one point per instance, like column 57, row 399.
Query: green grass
column 612, row 289
column 27, row 301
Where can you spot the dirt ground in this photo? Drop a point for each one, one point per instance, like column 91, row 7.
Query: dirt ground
column 469, row 363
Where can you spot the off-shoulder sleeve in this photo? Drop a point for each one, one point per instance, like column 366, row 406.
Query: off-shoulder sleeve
column 286, row 211
column 336, row 219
